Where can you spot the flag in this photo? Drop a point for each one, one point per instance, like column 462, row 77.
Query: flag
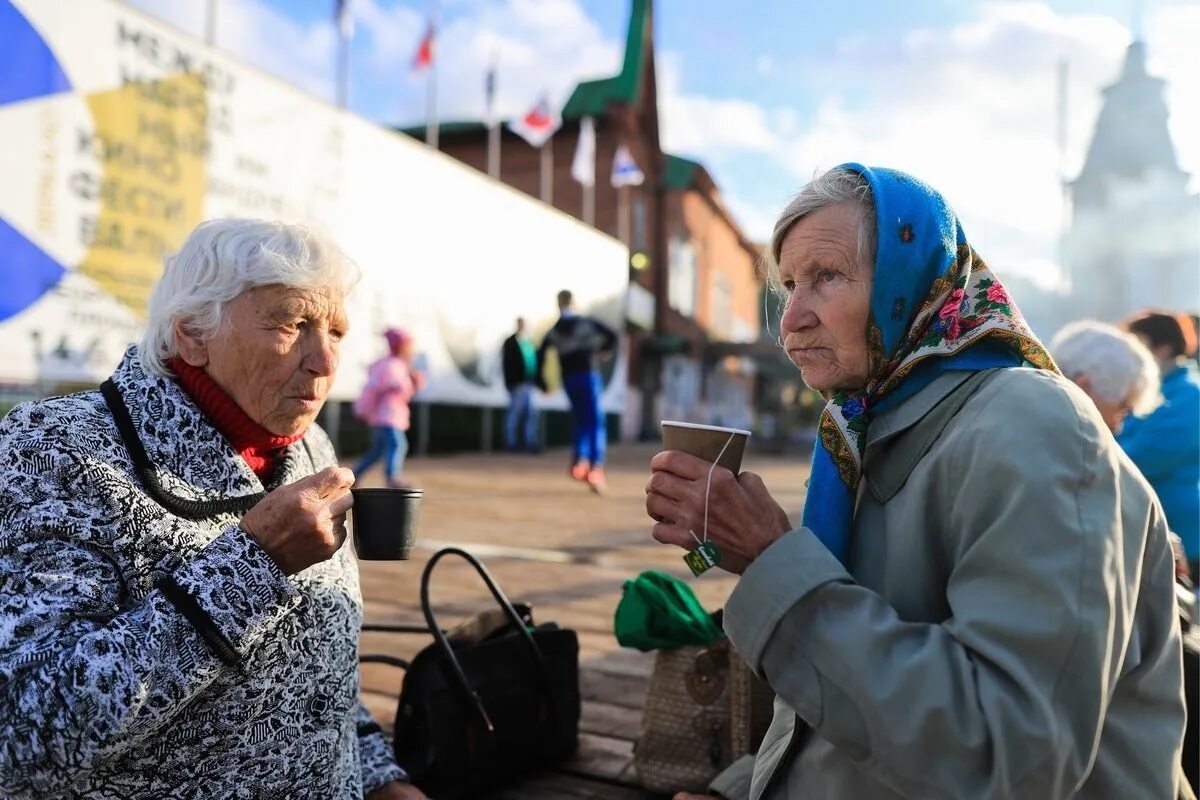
column 538, row 125
column 423, row 58
column 489, row 96
column 625, row 170
column 583, row 166
column 345, row 18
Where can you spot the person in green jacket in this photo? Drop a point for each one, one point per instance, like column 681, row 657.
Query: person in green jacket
column 978, row 601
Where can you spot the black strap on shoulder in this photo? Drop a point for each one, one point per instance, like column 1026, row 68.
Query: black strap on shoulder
column 148, row 473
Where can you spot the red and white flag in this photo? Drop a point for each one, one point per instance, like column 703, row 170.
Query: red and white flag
column 538, row 124
column 423, row 58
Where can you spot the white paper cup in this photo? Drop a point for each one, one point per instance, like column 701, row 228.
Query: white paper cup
column 707, row 442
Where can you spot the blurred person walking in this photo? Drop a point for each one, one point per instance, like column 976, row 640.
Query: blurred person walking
column 1165, row 444
column 519, row 358
column 580, row 343
column 384, row 405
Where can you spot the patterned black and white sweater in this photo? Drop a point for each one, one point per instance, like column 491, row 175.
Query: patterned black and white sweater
column 107, row 690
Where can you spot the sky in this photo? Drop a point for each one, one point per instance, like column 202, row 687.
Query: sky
column 766, row 93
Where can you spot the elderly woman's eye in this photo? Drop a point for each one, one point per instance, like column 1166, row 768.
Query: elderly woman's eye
column 826, row 275
column 789, row 286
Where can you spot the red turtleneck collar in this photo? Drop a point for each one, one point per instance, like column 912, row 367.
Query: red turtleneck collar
column 258, row 446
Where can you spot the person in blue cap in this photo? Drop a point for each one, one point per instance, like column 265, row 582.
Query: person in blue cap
column 979, row 600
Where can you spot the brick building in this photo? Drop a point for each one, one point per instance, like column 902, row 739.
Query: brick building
column 693, row 308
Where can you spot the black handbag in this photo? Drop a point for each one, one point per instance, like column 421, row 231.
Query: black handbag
column 477, row 709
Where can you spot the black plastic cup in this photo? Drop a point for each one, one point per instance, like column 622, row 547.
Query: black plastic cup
column 385, row 523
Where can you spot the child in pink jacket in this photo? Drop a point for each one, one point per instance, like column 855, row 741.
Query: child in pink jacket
column 383, row 404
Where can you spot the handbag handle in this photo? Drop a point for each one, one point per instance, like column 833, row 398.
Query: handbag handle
column 443, row 643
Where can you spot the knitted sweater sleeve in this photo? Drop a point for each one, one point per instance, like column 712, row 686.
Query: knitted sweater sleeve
column 86, row 670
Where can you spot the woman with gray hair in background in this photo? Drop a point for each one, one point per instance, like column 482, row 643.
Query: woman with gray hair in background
column 1112, row 367
column 178, row 614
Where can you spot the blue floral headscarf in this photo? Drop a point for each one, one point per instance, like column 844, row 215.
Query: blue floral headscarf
column 935, row 307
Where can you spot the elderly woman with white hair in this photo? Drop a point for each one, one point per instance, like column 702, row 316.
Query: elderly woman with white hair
column 178, row 614
column 1111, row 366
column 978, row 601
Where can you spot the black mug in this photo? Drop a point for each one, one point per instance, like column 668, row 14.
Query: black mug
column 385, row 523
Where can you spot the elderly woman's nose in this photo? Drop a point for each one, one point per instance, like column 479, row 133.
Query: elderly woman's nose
column 322, row 356
column 797, row 315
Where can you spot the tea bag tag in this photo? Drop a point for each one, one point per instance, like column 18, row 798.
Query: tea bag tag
column 703, row 558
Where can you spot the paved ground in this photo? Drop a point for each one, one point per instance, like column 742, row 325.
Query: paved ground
column 551, row 542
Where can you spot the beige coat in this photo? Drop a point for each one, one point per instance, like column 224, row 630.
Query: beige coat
column 1007, row 628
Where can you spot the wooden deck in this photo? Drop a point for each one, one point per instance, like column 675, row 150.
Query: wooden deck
column 552, row 543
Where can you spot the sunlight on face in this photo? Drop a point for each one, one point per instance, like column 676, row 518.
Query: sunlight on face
column 828, row 299
column 277, row 353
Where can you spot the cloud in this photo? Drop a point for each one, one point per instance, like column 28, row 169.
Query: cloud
column 539, row 46
column 302, row 53
column 1171, row 36
column 699, row 125
column 972, row 110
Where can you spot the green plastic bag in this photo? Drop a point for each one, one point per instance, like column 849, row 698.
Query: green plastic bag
column 659, row 612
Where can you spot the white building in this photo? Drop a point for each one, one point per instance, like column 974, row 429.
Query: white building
column 1134, row 237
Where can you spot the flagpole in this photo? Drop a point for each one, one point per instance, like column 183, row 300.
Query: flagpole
column 493, row 151
column 210, row 24
column 589, row 203
column 431, row 123
column 547, row 151
column 493, row 139
column 343, row 84
column 623, row 214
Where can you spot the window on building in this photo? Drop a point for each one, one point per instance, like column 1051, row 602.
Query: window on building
column 721, row 307
column 681, row 276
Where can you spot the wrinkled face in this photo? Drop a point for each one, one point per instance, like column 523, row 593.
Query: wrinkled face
column 828, row 301
column 277, row 353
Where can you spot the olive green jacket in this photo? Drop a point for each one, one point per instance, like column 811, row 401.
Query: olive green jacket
column 1007, row 626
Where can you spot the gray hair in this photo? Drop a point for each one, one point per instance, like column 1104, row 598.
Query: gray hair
column 1117, row 365
column 828, row 189
column 221, row 259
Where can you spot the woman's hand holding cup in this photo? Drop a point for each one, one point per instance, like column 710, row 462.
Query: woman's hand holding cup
column 303, row 523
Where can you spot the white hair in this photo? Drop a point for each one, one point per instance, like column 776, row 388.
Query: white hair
column 1118, row 366
column 828, row 189
column 221, row 259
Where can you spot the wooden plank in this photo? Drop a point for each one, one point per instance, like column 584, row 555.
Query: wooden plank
column 602, row 757
column 609, row 719
column 621, row 690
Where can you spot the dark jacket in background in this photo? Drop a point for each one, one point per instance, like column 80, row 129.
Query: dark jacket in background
column 513, row 362
column 578, row 342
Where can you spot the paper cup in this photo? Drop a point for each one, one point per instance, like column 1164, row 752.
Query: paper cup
column 707, row 442
column 385, row 523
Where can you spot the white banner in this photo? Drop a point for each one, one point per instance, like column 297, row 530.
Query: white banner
column 121, row 134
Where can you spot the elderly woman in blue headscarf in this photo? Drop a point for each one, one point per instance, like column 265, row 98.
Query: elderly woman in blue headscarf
column 978, row 601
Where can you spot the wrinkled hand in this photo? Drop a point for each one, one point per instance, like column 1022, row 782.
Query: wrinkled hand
column 395, row 790
column 743, row 518
column 304, row 522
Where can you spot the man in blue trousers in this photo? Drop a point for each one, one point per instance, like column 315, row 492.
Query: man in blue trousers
column 581, row 342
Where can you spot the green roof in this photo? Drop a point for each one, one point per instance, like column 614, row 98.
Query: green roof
column 418, row 131
column 679, row 173
column 592, row 98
